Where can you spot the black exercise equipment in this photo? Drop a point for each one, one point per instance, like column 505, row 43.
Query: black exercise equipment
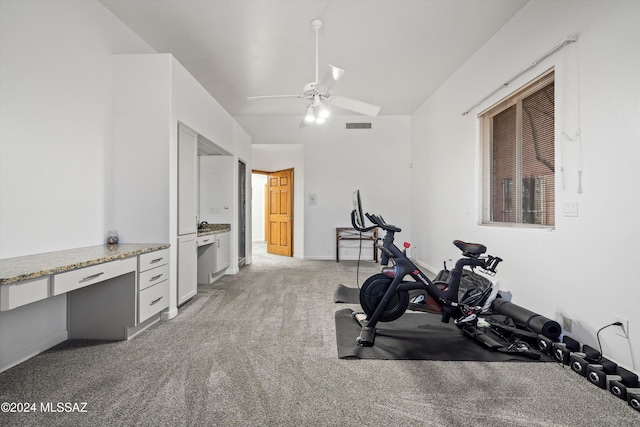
column 561, row 351
column 384, row 297
column 579, row 360
column 628, row 382
column 602, row 373
column 528, row 319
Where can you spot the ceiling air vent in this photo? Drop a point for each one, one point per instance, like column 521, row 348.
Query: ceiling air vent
column 358, row 125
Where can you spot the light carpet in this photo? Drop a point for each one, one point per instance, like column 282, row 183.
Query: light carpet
column 259, row 349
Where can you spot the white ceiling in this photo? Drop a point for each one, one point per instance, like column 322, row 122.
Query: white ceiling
column 396, row 53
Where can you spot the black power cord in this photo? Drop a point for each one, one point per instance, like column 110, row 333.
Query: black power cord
column 598, row 336
column 358, row 265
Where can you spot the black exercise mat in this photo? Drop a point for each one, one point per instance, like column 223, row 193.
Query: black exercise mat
column 346, row 295
column 414, row 336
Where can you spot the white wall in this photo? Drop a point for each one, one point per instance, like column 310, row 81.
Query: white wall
column 336, row 162
column 585, row 267
column 141, row 157
column 56, row 125
column 216, row 192
column 55, row 110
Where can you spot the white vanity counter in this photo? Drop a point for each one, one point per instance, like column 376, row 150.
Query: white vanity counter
column 27, row 267
column 104, row 292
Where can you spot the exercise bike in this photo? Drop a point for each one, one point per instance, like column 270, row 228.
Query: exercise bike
column 384, row 297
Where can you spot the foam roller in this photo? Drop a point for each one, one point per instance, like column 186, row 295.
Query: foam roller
column 528, row 319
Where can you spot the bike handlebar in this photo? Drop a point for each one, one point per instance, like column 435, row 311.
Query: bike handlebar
column 489, row 264
column 356, row 226
column 379, row 222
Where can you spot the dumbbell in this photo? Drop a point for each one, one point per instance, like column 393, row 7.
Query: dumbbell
column 561, row 351
column 633, row 398
column 603, row 375
column 579, row 360
column 545, row 344
column 628, row 382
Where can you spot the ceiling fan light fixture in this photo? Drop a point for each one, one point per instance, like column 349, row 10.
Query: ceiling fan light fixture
column 319, row 92
column 323, row 111
column 310, row 115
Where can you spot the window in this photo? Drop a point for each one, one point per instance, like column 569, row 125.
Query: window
column 519, row 157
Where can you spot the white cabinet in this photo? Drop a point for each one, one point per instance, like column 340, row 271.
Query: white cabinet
column 82, row 277
column 152, row 300
column 152, row 95
column 187, row 180
column 187, row 267
column 23, row 293
column 223, row 251
column 153, row 284
column 213, row 256
column 206, row 257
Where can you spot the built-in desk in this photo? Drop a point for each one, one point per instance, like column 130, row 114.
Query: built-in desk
column 112, row 292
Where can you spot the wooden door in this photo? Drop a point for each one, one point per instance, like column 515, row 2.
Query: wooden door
column 279, row 213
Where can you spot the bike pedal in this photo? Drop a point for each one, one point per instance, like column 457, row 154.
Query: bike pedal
column 467, row 319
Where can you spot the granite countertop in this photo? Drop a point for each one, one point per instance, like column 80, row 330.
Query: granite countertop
column 27, row 267
column 213, row 229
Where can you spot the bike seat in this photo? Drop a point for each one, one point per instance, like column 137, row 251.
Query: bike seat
column 470, row 248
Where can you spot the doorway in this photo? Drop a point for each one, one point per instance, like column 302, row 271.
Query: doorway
column 242, row 213
column 274, row 223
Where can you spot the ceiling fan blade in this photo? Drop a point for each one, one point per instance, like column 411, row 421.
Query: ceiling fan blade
column 355, row 105
column 330, row 78
column 273, row 96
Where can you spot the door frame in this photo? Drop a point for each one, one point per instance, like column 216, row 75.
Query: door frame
column 291, row 204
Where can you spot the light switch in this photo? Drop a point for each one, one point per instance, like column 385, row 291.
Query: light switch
column 571, row 208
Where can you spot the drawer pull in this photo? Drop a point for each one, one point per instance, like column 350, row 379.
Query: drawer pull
column 93, row 276
column 155, row 301
column 205, row 240
column 155, row 277
column 153, row 261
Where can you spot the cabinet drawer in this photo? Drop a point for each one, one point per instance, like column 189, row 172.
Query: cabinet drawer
column 206, row 240
column 76, row 279
column 153, row 259
column 22, row 293
column 153, row 276
column 152, row 300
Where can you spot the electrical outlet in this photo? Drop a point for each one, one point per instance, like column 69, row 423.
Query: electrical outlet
column 566, row 323
column 623, row 330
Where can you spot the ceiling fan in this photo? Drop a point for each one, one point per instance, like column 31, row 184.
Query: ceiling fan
column 318, row 92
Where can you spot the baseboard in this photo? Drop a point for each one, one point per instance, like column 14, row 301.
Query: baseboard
column 136, row 330
column 28, row 353
column 318, row 258
column 232, row 270
column 169, row 314
column 426, row 266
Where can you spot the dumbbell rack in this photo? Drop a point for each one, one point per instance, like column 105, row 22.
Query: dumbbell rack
column 599, row 371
